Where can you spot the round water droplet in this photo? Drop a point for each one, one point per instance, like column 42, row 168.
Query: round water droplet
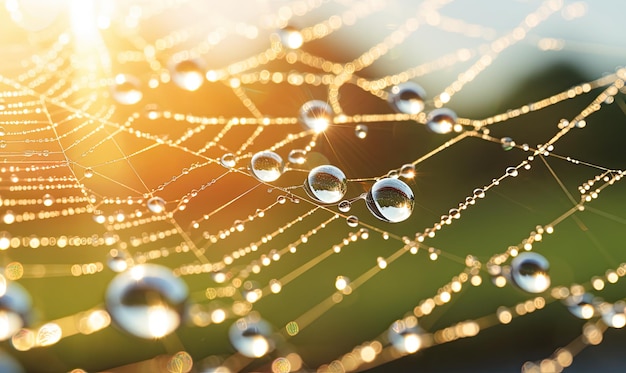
column 188, row 74
column 156, row 205
column 3, row 131
column 297, row 156
column 511, row 171
column 352, row 221
column 441, row 120
column 407, row 171
column 613, row 315
column 529, row 271
column 405, row 337
column 125, row 89
column 290, row 37
column 15, row 309
column 507, row 143
column 267, row 166
column 47, row 200
column 151, row 111
column 479, row 193
column 228, row 160
column 147, row 301
column 3, row 144
column 251, row 336
column 88, row 173
column 8, row 217
column 390, row 200
column 316, row 115
column 582, row 306
column 344, row 206
column 326, row 184
column 407, row 98
column 117, row 260
column 360, row 131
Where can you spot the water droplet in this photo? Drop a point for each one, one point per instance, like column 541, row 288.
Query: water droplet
column 326, row 184
column 479, row 193
column 3, row 132
column 99, row 217
column 3, row 144
column 407, row 98
column 613, row 314
column 529, row 271
column 407, row 171
column 14, row 178
column 360, row 131
column 8, row 217
column 441, row 120
column 49, row 334
column 156, row 205
column 188, row 74
column 297, row 156
column 251, row 336
column 390, row 200
column 151, row 111
column 117, row 260
column 15, row 309
column 344, row 206
column 147, row 301
column 88, row 173
column 47, row 200
column 352, row 221
column 511, row 171
column 507, row 143
column 267, row 166
column 290, row 37
column 582, row 306
column 316, row 115
column 125, row 89
column 405, row 336
column 181, row 362
column 228, row 160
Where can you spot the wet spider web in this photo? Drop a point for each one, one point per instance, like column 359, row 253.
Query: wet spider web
column 127, row 136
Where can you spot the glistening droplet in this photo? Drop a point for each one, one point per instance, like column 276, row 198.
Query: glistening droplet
column 407, row 98
column 441, row 120
column 529, row 271
column 267, row 166
column 316, row 115
column 390, row 200
column 125, row 89
column 188, row 74
column 326, row 184
column 251, row 336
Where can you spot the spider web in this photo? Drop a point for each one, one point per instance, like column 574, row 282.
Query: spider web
column 534, row 168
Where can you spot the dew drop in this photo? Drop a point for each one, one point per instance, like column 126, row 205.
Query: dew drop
column 316, row 115
column 360, row 131
column 344, row 206
column 582, row 306
column 47, row 200
column 407, row 98
column 352, row 221
column 407, row 171
column 3, row 144
column 290, row 37
column 156, row 205
column 147, row 301
column 228, row 160
column 151, row 111
column 117, row 260
column 390, row 200
column 251, row 336
column 267, row 166
column 405, row 337
column 441, row 121
column 511, row 171
column 326, row 184
column 613, row 314
column 125, row 89
column 507, row 143
column 479, row 193
column 8, row 217
column 529, row 271
column 49, row 334
column 188, row 74
column 5, row 240
column 15, row 309
column 3, row 132
column 88, row 173
column 297, row 156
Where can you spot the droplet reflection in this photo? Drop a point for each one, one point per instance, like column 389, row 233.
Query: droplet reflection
column 267, row 166
column 529, row 271
column 390, row 200
column 326, row 184
column 251, row 336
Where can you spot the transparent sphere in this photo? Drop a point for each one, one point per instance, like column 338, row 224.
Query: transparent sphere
column 125, row 89
column 290, row 37
column 360, row 131
column 228, row 160
column 316, row 115
column 147, row 301
column 582, row 306
column 156, row 205
column 507, row 143
column 390, row 200
column 352, row 221
column 251, row 336
column 613, row 315
column 326, row 184
column 405, row 336
column 117, row 260
column 297, row 156
column 188, row 74
column 344, row 206
column 15, row 309
column 529, row 271
column 407, row 98
column 267, row 166
column 441, row 120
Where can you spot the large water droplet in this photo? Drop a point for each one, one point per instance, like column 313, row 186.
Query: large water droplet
column 15, row 308
column 529, row 271
column 316, row 115
column 290, row 37
column 267, row 166
column 407, row 98
column 326, row 184
column 125, row 89
column 613, row 315
column 582, row 306
column 228, row 160
column 156, row 205
column 405, row 336
column 360, row 131
column 47, row 200
column 88, row 173
column 251, row 336
column 390, row 200
column 147, row 301
column 441, row 120
column 507, row 143
column 117, row 260
column 344, row 206
column 188, row 74
column 352, row 221
column 297, row 156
